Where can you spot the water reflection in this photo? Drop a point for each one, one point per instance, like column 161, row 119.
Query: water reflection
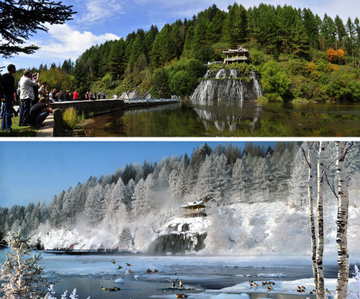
column 241, row 119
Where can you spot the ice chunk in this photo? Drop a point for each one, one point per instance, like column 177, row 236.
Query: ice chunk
column 119, row 281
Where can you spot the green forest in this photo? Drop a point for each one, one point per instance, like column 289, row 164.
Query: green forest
column 300, row 56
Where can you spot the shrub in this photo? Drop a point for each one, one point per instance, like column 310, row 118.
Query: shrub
column 262, row 100
column 71, row 118
column 106, row 80
column 275, row 81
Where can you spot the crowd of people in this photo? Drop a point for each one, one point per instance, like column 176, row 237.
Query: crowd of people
column 35, row 99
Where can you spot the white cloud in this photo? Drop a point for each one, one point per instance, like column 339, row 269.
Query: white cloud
column 64, row 43
column 100, row 10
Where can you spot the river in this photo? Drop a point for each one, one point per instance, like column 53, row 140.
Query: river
column 229, row 119
column 203, row 277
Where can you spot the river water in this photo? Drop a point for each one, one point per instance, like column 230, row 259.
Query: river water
column 203, row 277
column 229, row 119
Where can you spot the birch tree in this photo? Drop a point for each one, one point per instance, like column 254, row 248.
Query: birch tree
column 317, row 241
column 342, row 221
column 320, row 286
column 311, row 214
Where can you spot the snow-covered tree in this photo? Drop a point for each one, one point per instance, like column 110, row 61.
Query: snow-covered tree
column 51, row 292
column 138, row 199
column 204, row 187
column 298, row 182
column 94, row 206
column 115, row 209
column 352, row 294
column 126, row 239
column 20, row 273
column 221, row 177
column 238, row 181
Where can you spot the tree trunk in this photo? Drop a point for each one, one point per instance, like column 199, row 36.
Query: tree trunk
column 342, row 220
column 312, row 221
column 320, row 288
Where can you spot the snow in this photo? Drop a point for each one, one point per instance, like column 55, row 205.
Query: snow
column 250, row 229
column 283, row 287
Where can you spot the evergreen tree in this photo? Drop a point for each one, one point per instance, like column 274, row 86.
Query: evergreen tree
column 311, row 27
column 160, row 87
column 116, row 59
column 20, row 274
column 340, row 30
column 300, row 41
column 19, row 21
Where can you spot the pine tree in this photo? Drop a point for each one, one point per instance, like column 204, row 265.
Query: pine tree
column 340, row 30
column 22, row 19
column 300, row 41
column 126, row 239
column 20, row 274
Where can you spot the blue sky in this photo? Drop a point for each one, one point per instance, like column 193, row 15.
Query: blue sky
column 36, row 171
column 101, row 20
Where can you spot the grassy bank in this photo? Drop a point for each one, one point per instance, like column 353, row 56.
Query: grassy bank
column 17, row 131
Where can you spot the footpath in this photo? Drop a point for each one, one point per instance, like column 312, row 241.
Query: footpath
column 47, row 129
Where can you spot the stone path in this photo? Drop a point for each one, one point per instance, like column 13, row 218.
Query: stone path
column 48, row 129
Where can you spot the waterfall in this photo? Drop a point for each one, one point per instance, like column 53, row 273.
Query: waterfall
column 233, row 74
column 256, row 87
column 208, row 72
column 178, row 243
column 215, row 88
column 220, row 74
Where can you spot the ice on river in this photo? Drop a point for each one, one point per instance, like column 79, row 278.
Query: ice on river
column 202, row 276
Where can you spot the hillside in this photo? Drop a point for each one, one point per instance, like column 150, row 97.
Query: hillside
column 256, row 201
column 299, row 55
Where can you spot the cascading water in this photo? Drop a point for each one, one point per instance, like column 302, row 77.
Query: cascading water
column 220, row 74
column 256, row 87
column 227, row 89
column 225, row 86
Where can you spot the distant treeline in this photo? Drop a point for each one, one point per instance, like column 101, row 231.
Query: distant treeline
column 223, row 176
column 171, row 61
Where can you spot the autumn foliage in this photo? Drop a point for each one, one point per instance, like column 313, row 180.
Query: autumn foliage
column 336, row 56
column 333, row 67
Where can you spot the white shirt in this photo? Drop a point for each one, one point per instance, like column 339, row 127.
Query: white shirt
column 27, row 88
column 41, row 89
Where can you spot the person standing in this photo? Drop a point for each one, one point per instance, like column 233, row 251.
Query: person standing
column 43, row 90
column 67, row 96
column 26, row 95
column 8, row 91
column 75, row 95
column 60, row 96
